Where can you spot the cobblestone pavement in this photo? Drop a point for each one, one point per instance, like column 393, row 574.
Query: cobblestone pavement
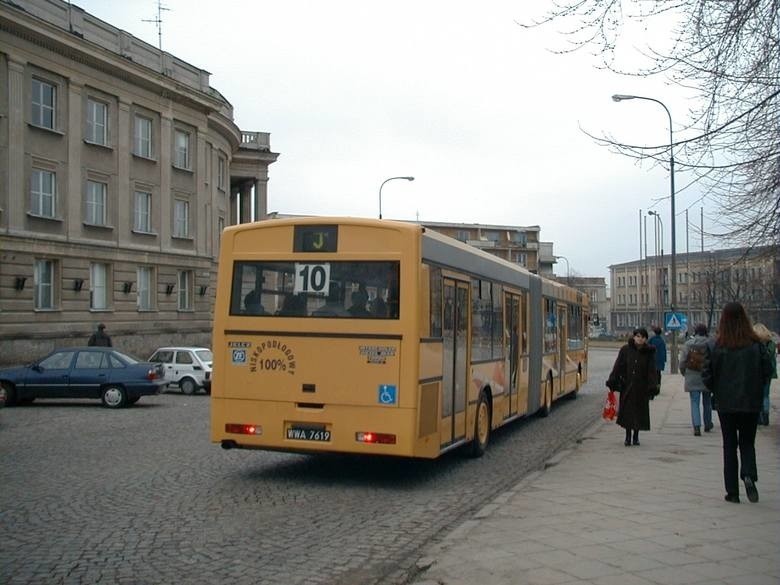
column 140, row 496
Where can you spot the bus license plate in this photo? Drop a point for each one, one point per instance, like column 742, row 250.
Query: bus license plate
column 308, row 433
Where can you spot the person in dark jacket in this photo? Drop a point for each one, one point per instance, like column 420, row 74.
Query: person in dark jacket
column 657, row 341
column 736, row 368
column 100, row 337
column 634, row 377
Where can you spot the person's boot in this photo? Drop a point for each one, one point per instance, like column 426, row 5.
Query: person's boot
column 708, row 428
column 697, row 431
column 764, row 418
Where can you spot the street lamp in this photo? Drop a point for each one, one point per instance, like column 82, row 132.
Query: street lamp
column 660, row 287
column 660, row 221
column 383, row 184
column 568, row 271
column 673, row 268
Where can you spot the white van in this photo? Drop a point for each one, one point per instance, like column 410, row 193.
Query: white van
column 187, row 367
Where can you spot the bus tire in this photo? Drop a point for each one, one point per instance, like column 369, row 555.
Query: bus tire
column 544, row 411
column 573, row 393
column 481, row 427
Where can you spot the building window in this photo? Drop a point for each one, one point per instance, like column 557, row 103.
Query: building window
column 181, row 154
column 144, row 276
column 98, row 286
column 97, row 120
column 143, row 137
column 44, row 284
column 96, row 203
column 181, row 219
column 221, row 169
column 44, row 103
column 42, row 193
column 184, row 284
column 142, row 212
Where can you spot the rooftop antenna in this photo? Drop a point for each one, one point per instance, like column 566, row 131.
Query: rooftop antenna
column 158, row 22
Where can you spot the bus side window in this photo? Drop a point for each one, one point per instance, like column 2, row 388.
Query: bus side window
column 252, row 303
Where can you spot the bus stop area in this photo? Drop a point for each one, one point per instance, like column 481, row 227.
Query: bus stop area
column 605, row 514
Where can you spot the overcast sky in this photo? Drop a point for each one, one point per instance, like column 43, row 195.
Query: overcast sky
column 479, row 110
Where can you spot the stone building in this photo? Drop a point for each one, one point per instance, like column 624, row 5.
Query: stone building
column 705, row 282
column 119, row 167
column 518, row 244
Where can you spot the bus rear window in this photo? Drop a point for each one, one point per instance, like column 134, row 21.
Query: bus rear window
column 347, row 290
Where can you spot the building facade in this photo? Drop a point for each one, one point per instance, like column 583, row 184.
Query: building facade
column 705, row 282
column 517, row 244
column 119, row 167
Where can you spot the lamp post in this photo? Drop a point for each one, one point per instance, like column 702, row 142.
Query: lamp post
column 568, row 271
column 659, row 246
column 673, row 268
column 383, row 184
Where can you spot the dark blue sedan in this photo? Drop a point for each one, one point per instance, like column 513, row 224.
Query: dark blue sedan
column 83, row 372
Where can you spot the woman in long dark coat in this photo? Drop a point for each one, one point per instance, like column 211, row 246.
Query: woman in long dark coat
column 634, row 377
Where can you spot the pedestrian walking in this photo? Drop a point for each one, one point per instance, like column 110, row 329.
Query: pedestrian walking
column 634, row 377
column 100, row 337
column 766, row 337
column 692, row 357
column 657, row 341
column 735, row 370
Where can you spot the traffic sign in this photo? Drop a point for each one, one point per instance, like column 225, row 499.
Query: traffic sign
column 675, row 321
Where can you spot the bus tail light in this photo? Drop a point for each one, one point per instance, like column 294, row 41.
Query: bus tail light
column 241, row 429
column 377, row 438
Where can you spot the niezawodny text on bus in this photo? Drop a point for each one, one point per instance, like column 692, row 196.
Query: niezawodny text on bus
column 380, row 337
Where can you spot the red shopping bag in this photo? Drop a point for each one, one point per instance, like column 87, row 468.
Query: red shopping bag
column 609, row 412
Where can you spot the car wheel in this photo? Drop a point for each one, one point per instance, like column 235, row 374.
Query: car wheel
column 9, row 396
column 114, row 397
column 188, row 386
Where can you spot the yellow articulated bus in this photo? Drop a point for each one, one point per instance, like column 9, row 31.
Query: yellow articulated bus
column 379, row 337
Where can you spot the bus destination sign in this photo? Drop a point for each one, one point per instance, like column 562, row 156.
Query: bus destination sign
column 316, row 238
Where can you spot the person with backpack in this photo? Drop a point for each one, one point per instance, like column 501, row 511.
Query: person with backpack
column 692, row 357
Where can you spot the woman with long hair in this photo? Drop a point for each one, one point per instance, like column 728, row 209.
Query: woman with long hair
column 766, row 337
column 735, row 370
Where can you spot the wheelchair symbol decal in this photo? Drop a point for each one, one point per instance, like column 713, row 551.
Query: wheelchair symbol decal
column 387, row 394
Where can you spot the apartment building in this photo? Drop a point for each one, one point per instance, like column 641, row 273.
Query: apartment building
column 517, row 244
column 705, row 282
column 119, row 167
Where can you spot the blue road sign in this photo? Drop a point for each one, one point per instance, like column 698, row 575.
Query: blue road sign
column 675, row 321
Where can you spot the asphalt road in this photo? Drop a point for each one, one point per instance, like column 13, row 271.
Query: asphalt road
column 140, row 496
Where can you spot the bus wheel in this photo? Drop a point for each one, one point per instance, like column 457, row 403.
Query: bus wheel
column 481, row 427
column 544, row 411
column 573, row 393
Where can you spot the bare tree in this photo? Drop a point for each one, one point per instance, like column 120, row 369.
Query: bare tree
column 728, row 53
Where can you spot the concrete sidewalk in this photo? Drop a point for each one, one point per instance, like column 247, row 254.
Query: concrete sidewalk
column 605, row 514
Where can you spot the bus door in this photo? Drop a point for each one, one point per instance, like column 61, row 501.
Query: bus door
column 455, row 369
column 563, row 343
column 516, row 387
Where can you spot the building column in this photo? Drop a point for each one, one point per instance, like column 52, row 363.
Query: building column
column 76, row 186
column 232, row 218
column 17, row 192
column 246, row 202
column 261, row 199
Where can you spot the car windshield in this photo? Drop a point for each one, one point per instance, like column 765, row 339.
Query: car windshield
column 205, row 355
